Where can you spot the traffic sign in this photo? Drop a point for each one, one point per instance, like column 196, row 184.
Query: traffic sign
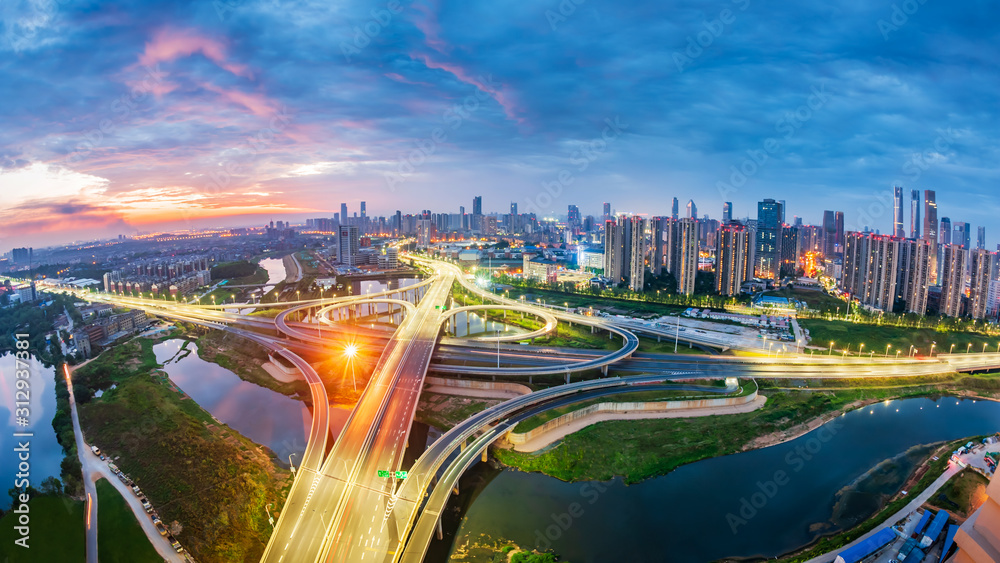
column 401, row 475
column 396, row 474
column 382, row 473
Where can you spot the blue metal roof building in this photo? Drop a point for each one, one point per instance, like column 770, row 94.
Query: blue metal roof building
column 923, row 522
column 936, row 526
column 863, row 549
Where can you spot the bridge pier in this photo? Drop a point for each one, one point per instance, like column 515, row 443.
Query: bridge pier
column 440, row 530
column 657, row 337
column 567, row 377
column 485, row 455
column 604, row 370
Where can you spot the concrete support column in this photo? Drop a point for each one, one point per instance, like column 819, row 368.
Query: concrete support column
column 485, row 455
column 604, row 370
column 567, row 377
column 440, row 530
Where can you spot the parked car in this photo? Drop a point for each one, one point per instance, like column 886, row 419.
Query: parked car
column 177, row 546
column 160, row 527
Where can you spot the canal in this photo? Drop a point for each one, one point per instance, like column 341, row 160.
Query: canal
column 760, row 503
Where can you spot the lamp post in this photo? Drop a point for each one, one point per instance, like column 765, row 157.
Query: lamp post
column 887, row 346
column 862, row 349
column 290, row 464
column 968, row 348
column 270, row 519
column 351, row 350
column 933, row 344
column 831, row 348
column 952, row 349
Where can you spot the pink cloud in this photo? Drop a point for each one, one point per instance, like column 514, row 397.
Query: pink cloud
column 430, row 27
column 169, row 44
column 509, row 107
column 258, row 104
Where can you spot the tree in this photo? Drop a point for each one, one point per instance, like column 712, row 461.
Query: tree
column 51, row 486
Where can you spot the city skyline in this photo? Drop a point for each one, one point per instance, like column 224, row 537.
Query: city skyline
column 147, row 113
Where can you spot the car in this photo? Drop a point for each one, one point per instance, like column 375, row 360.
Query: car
column 102, row 457
column 160, row 527
column 177, row 546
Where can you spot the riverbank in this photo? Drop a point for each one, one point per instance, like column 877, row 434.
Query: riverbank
column 181, row 457
column 639, row 449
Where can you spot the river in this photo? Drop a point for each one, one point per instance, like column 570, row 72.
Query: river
column 265, row 416
column 730, row 506
column 45, row 452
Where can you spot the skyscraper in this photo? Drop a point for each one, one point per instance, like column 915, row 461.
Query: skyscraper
column 732, row 258
column 979, row 288
column 915, row 274
column 692, row 210
column 897, row 212
column 658, row 228
column 364, row 210
column 931, row 219
column 573, row 218
column 684, row 254
column 617, row 246
column 789, row 251
column 637, row 253
column 945, row 231
column 343, row 214
column 768, row 243
column 915, row 214
column 829, row 234
column 838, row 220
column 477, row 205
column 607, row 211
column 952, row 280
column 963, row 235
column 347, row 249
column 872, row 266
column 727, row 212
column 675, row 209
column 981, row 238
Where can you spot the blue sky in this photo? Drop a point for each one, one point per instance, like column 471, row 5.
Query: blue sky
column 125, row 116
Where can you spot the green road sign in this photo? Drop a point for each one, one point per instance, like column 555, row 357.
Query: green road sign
column 397, row 474
column 382, row 473
column 401, row 475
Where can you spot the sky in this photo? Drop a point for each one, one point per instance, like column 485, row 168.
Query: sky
column 121, row 117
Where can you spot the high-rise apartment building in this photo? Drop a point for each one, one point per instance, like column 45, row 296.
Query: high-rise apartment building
column 659, row 229
column 767, row 248
column 684, row 253
column 915, row 275
column 790, row 251
column 727, row 212
column 637, row 253
column 952, row 280
column 981, row 238
column 979, row 288
column 343, row 214
column 607, row 211
column 978, row 538
column 347, row 244
column 573, row 219
column 829, row 234
column 946, row 233
column 872, row 266
column 963, row 235
column 897, row 212
column 733, row 262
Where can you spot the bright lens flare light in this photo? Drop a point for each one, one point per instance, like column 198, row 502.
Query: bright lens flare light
column 351, row 350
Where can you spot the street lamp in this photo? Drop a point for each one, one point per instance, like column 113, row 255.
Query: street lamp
column 952, row 349
column 933, row 344
column 862, row 349
column 968, row 348
column 887, row 346
column 270, row 519
column 351, row 350
column 290, row 462
column 831, row 348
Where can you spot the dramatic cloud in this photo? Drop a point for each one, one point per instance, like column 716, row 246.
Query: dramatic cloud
column 197, row 112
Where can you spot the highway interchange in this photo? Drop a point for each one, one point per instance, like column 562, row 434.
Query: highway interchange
column 340, row 509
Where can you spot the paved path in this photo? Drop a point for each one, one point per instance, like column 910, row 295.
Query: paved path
column 95, row 469
column 917, row 502
column 293, row 270
column 550, row 437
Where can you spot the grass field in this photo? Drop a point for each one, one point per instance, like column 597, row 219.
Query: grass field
column 445, row 411
column 639, row 449
column 963, row 494
column 205, row 476
column 120, row 539
column 815, row 299
column 876, row 337
column 57, row 532
column 637, row 396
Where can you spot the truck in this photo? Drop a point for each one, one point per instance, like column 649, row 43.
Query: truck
column 145, row 504
column 96, row 450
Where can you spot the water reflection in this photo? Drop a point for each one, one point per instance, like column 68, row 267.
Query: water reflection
column 730, row 506
column 45, row 451
column 266, row 417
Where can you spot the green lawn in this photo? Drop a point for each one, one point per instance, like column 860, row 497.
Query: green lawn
column 963, row 494
column 876, row 337
column 119, row 536
column 209, row 478
column 815, row 299
column 57, row 532
column 639, row 449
